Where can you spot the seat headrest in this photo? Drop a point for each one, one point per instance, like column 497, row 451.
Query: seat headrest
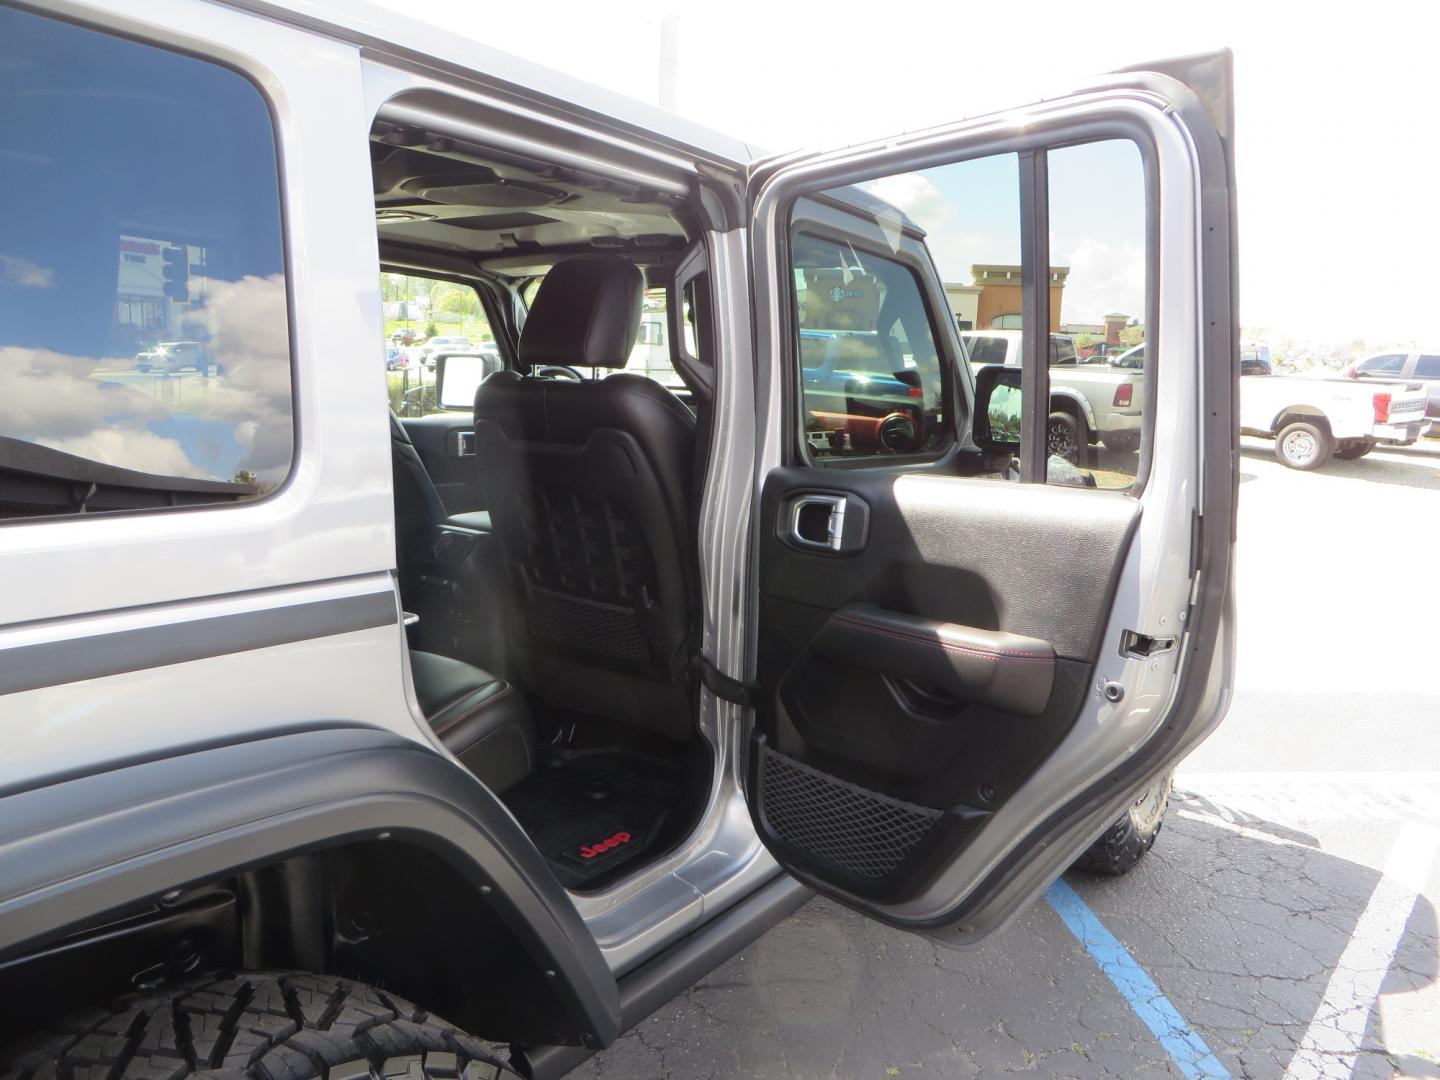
column 586, row 313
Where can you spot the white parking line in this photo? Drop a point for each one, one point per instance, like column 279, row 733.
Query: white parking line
column 1290, row 798
column 1332, row 1041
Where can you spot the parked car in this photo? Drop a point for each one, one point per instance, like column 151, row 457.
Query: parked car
column 1397, row 367
column 173, row 356
column 1089, row 402
column 1311, row 419
column 442, row 344
column 405, row 335
column 395, row 358
column 1255, row 359
column 344, row 745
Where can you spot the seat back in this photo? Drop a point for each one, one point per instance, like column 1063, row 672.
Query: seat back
column 418, row 507
column 588, row 485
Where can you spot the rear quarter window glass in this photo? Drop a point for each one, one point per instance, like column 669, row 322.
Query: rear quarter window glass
column 1428, row 367
column 144, row 332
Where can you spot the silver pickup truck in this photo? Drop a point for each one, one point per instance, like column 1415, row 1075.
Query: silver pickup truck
column 1089, row 402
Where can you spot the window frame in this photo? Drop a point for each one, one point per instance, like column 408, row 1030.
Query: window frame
column 905, row 160
column 255, row 81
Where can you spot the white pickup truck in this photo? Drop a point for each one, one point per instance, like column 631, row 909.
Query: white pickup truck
column 1312, row 419
column 1089, row 402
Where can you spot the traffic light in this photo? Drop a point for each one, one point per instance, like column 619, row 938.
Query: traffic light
column 177, row 273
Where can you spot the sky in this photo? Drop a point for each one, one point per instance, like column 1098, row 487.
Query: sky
column 1338, row 147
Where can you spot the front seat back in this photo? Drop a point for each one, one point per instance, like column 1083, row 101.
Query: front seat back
column 588, row 485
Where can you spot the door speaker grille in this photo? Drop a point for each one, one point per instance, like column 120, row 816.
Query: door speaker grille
column 860, row 831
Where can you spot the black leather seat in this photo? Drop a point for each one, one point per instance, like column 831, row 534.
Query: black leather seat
column 479, row 717
column 589, row 490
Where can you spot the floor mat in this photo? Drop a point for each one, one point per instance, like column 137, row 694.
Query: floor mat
column 593, row 812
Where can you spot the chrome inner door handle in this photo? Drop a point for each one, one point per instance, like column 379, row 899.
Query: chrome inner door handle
column 818, row 521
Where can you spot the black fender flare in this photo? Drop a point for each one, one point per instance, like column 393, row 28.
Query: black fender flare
column 77, row 849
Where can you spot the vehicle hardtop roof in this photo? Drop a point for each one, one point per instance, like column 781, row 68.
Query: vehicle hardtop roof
column 401, row 37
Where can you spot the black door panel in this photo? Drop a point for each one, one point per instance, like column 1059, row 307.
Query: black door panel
column 1039, row 561
column 913, row 683
column 942, row 663
column 442, row 443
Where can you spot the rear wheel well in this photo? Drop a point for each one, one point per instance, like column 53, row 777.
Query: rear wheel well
column 1302, row 414
column 1062, row 403
column 387, row 913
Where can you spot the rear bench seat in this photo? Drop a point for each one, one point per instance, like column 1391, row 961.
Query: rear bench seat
column 479, row 717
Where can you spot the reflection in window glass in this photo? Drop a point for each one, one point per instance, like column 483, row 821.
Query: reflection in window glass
column 144, row 338
column 870, row 371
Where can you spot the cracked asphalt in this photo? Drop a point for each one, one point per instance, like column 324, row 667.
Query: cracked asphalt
column 1263, row 903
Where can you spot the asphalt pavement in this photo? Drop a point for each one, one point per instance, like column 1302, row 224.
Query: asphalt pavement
column 1285, row 924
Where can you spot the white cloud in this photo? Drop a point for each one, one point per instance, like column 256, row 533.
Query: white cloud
column 96, row 408
column 1104, row 278
column 130, row 449
column 915, row 195
column 49, row 395
column 24, row 273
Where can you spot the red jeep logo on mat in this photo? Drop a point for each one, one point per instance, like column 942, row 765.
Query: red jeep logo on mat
column 608, row 844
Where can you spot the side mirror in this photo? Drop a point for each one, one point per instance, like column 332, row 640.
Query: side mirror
column 459, row 375
column 997, row 409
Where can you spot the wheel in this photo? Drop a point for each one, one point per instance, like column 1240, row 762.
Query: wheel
column 1303, row 445
column 1064, row 436
column 1126, row 842
column 1354, row 450
column 1122, row 442
column 256, row 1026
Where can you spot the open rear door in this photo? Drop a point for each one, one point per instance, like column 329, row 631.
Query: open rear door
column 966, row 665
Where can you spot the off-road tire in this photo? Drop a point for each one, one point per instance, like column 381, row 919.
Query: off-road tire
column 1297, row 436
column 1122, row 846
column 255, row 1026
column 1064, row 436
column 1352, row 451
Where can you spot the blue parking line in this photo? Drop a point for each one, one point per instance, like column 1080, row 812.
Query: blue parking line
column 1185, row 1048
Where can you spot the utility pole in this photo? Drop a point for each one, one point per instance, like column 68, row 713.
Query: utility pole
column 669, row 59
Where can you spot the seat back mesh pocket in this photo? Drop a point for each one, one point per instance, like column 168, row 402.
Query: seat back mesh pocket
column 590, row 625
column 862, row 832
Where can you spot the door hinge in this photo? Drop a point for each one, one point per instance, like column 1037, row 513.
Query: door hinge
column 722, row 685
column 1143, row 646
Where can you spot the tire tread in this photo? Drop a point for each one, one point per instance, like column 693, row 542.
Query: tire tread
column 265, row 1025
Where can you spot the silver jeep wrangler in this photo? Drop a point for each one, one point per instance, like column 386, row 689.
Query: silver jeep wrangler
column 527, row 699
